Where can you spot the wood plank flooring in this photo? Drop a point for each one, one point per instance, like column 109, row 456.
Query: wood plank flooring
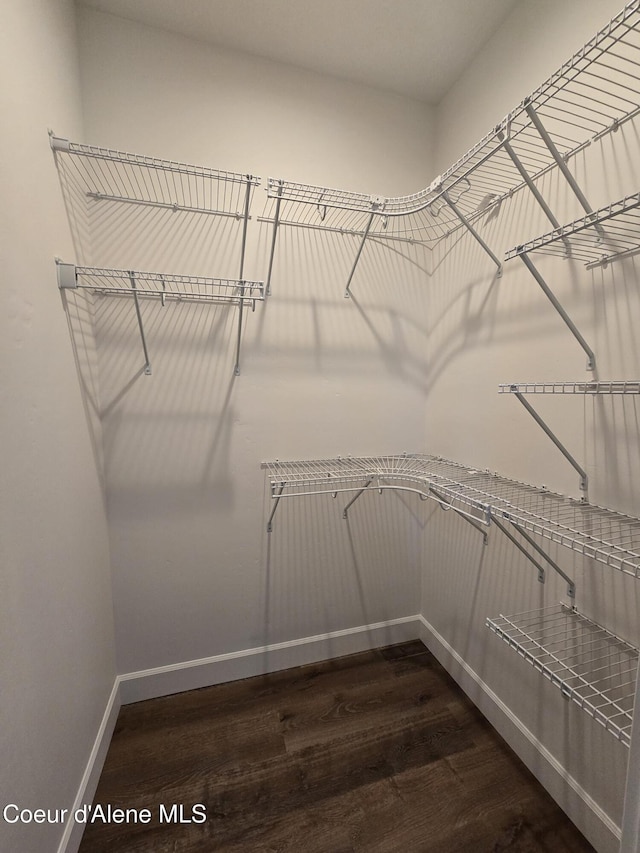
column 378, row 752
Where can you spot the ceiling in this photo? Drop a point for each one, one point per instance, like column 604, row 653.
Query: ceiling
column 415, row 48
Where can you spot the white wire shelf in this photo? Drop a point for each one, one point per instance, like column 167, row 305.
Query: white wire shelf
column 590, row 665
column 137, row 285
column 597, row 238
column 591, row 95
column 598, row 533
column 631, row 386
column 118, row 282
column 106, row 175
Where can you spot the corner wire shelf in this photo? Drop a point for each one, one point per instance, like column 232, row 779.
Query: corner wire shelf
column 591, row 666
column 598, row 533
column 520, row 389
column 166, row 287
column 591, row 95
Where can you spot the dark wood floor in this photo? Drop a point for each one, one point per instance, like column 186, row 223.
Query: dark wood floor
column 377, row 752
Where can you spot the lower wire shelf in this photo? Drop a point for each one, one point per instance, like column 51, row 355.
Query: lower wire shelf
column 590, row 665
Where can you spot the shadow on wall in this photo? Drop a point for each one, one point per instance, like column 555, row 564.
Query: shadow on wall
column 324, row 572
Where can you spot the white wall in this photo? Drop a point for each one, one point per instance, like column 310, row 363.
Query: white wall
column 195, row 574
column 56, row 625
column 489, row 330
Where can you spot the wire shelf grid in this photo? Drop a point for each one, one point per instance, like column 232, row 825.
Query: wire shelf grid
column 597, row 238
column 118, row 282
column 591, row 666
column 591, row 95
column 103, row 174
column 622, row 386
column 604, row 535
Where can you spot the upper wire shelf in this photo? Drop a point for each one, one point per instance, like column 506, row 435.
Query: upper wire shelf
column 622, row 386
column 592, row 94
column 597, row 238
column 602, row 534
column 590, row 665
column 103, row 174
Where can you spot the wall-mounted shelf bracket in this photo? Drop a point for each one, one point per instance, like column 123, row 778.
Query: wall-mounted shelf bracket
column 557, row 156
column 591, row 358
column 163, row 286
column 275, row 507
column 521, row 548
column 377, row 206
column 526, row 177
column 463, row 219
column 147, row 363
column 355, row 497
column 274, row 234
column 584, row 482
column 446, row 506
column 571, row 587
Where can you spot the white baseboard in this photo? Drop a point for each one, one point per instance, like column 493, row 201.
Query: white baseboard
column 190, row 675
column 72, row 835
column 601, row 831
column 585, row 813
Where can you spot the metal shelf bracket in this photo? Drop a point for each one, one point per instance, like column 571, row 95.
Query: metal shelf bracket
column 571, row 587
column 591, row 358
column 355, row 497
column 147, row 363
column 275, row 507
column 377, row 205
column 559, row 159
column 274, row 234
column 584, row 481
column 471, row 229
column 446, row 506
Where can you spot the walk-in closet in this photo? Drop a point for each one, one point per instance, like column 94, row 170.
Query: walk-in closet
column 320, row 363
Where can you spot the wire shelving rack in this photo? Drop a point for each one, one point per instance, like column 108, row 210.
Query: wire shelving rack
column 591, row 95
column 591, row 666
column 107, row 175
column 138, row 285
column 104, row 175
column 609, row 233
column 621, row 386
column 602, row 534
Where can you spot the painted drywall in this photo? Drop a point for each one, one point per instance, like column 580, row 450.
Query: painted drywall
column 57, row 658
column 487, row 330
column 195, row 573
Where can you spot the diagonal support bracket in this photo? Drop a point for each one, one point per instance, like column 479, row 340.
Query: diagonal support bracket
column 521, row 548
column 275, row 507
column 471, row 229
column 147, row 363
column 446, row 506
column 276, row 223
column 559, row 159
column 526, row 177
column 356, row 496
column 584, row 482
column 571, row 587
column 347, row 292
column 591, row 358
column 245, row 221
